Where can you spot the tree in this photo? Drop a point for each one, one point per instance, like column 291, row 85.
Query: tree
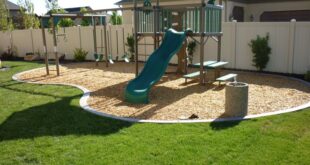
column 116, row 19
column 85, row 21
column 6, row 22
column 54, row 8
column 28, row 16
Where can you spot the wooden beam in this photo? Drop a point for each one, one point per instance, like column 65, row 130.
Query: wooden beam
column 55, row 47
column 45, row 48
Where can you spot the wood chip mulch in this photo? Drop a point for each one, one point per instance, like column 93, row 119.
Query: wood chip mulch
column 171, row 99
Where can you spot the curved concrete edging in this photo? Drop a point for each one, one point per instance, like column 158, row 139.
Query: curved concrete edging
column 86, row 107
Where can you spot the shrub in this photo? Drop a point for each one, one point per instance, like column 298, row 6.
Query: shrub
column 80, row 54
column 190, row 50
column 131, row 46
column 66, row 22
column 6, row 56
column 9, row 54
column 85, row 22
column 261, row 51
column 116, row 19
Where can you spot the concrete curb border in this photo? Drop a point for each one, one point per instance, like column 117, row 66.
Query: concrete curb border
column 86, row 107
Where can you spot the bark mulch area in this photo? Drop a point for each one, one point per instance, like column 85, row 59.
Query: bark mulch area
column 171, row 99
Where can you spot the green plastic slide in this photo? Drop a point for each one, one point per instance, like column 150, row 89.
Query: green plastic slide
column 138, row 89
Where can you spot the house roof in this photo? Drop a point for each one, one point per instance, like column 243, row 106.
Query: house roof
column 131, row 1
column 77, row 9
column 11, row 6
column 74, row 9
column 264, row 1
column 243, row 1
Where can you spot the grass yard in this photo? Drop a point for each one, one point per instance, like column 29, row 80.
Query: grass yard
column 43, row 124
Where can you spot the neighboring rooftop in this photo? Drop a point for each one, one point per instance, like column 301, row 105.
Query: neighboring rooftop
column 75, row 9
column 131, row 1
column 243, row 1
column 11, row 5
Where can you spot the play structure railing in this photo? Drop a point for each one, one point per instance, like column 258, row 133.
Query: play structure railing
column 146, row 21
column 190, row 19
column 213, row 19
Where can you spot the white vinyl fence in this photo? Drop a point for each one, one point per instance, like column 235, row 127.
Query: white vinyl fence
column 290, row 43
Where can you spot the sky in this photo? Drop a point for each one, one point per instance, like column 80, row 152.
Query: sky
column 39, row 5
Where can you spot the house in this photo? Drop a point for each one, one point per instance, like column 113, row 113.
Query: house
column 15, row 14
column 267, row 10
column 245, row 10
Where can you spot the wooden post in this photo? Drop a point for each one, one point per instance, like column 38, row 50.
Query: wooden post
column 155, row 26
column 202, row 27
column 95, row 39
column 136, row 37
column 124, row 44
column 55, row 46
column 117, row 51
column 44, row 47
column 219, row 47
column 157, row 23
column 182, row 53
column 219, row 43
column 105, row 43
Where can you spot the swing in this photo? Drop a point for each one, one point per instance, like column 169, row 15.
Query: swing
column 98, row 57
column 125, row 57
column 110, row 56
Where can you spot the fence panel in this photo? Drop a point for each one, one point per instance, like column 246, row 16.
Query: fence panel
column 22, row 41
column 5, row 41
column 289, row 42
column 279, row 42
column 301, row 58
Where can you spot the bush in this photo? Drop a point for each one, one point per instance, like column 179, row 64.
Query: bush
column 307, row 76
column 6, row 56
column 80, row 54
column 131, row 46
column 261, row 51
column 66, row 22
column 9, row 54
column 190, row 50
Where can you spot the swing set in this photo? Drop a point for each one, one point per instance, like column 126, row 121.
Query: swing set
column 53, row 20
column 153, row 20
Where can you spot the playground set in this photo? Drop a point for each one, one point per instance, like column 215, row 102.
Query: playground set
column 202, row 20
column 171, row 27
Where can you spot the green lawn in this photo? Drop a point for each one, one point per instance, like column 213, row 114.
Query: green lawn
column 43, row 124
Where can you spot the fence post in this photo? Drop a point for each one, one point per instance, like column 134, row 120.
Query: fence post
column 234, row 32
column 32, row 44
column 80, row 37
column 291, row 48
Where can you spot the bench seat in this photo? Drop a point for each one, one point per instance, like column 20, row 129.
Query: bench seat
column 227, row 77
